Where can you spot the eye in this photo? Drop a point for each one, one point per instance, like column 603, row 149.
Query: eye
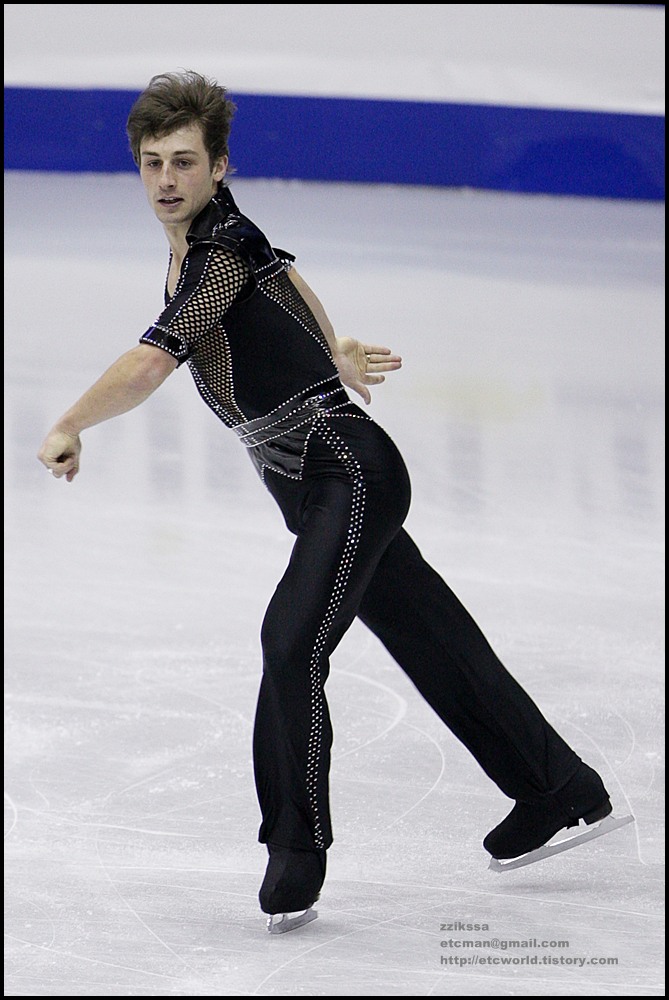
column 185, row 164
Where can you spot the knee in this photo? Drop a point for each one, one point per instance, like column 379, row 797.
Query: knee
column 280, row 645
column 293, row 656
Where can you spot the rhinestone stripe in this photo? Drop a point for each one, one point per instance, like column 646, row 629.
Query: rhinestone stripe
column 352, row 466
column 307, row 388
column 287, row 298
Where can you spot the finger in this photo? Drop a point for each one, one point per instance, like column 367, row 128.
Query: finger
column 380, row 356
column 59, row 469
column 387, row 365
column 375, row 349
column 361, row 389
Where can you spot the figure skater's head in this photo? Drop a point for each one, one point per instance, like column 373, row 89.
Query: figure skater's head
column 175, row 101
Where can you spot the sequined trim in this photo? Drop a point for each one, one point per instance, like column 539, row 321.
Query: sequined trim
column 325, row 431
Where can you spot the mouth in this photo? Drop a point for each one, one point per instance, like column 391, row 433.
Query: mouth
column 169, row 202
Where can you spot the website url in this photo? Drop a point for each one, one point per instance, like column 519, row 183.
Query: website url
column 577, row 961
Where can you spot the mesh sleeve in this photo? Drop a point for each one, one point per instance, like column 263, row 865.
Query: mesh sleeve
column 211, row 280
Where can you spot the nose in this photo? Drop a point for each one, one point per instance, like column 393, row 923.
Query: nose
column 166, row 179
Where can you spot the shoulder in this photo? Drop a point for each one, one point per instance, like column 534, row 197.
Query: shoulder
column 222, row 224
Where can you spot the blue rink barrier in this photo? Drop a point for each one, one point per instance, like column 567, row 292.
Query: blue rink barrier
column 532, row 150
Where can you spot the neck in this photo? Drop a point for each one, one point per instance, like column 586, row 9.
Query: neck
column 176, row 237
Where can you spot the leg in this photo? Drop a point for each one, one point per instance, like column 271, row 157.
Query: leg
column 293, row 733
column 312, row 607
column 441, row 648
column 343, row 523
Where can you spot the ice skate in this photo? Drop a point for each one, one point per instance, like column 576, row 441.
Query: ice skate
column 607, row 825
column 291, row 886
column 279, row 923
column 524, row 836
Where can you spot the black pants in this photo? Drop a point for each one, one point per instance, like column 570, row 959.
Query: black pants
column 353, row 558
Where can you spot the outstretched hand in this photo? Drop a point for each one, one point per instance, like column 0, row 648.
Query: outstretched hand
column 360, row 365
column 60, row 454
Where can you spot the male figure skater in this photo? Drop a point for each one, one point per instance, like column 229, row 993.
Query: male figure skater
column 265, row 359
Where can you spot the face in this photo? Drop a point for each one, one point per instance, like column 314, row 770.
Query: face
column 177, row 176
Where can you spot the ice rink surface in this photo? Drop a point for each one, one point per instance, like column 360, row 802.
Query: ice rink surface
column 530, row 411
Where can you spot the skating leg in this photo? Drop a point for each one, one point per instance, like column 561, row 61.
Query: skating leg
column 438, row 644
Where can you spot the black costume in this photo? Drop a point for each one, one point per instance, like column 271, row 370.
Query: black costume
column 263, row 365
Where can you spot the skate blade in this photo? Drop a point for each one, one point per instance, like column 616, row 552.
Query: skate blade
column 280, row 923
column 607, row 825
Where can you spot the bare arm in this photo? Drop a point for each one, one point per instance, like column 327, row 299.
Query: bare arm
column 359, row 365
column 126, row 384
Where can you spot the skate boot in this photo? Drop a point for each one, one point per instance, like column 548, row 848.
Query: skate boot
column 530, row 825
column 291, row 886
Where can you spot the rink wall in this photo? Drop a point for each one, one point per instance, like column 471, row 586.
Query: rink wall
column 546, row 98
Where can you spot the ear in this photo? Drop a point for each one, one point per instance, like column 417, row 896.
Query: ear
column 220, row 168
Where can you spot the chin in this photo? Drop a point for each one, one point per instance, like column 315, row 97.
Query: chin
column 173, row 218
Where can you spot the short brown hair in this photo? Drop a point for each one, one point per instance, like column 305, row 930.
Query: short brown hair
column 176, row 100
